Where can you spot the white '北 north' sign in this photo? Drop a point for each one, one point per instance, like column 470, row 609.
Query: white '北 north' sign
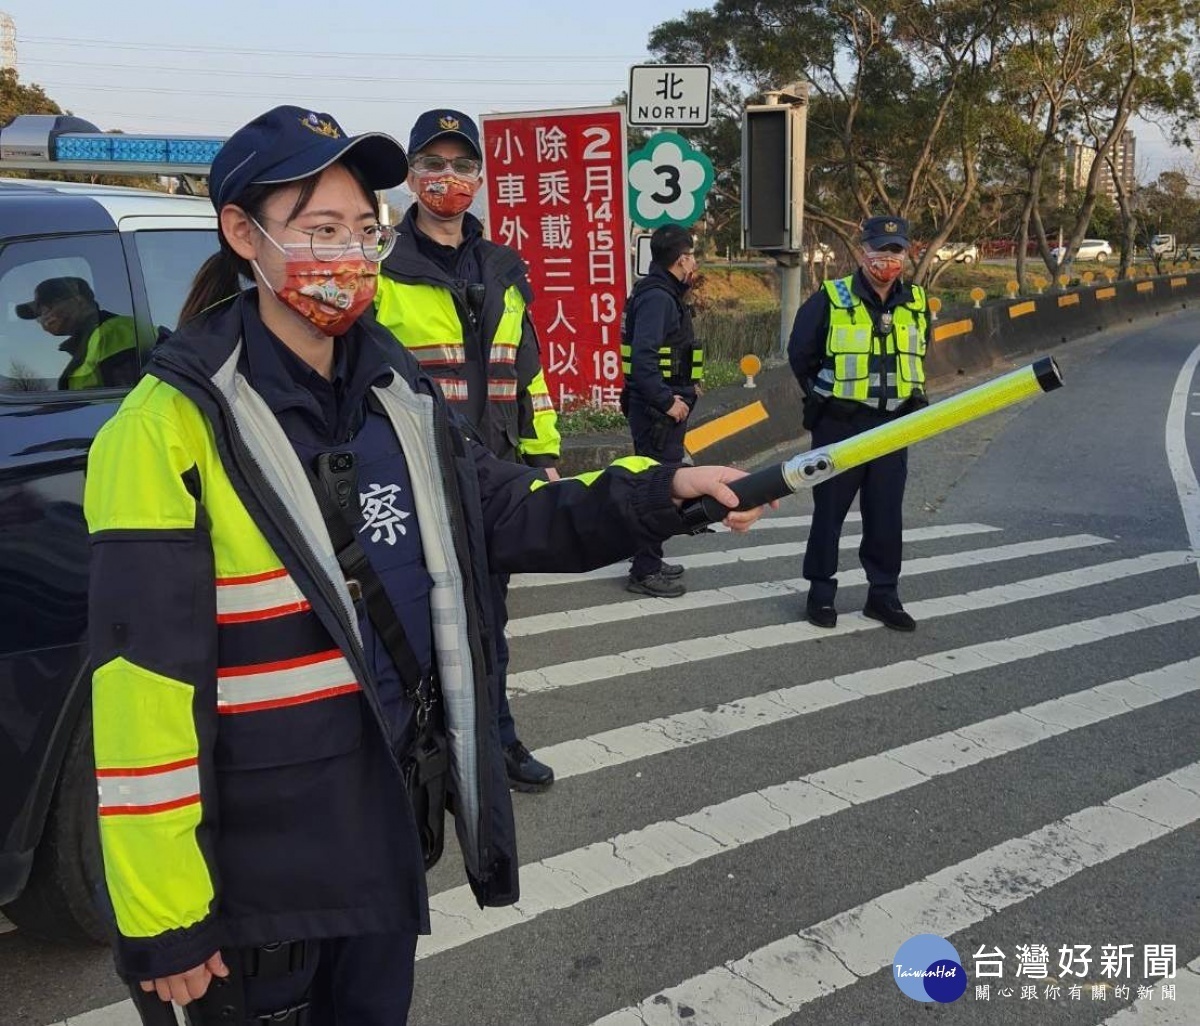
column 670, row 95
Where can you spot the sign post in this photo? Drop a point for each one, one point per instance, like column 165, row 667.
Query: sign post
column 556, row 193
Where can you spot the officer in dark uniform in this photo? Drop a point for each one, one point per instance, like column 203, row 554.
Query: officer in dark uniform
column 662, row 364
column 857, row 348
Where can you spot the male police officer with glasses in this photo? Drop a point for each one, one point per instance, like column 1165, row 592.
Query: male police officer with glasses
column 857, row 348
column 458, row 302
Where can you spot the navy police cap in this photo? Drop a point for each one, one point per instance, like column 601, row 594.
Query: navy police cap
column 287, row 144
column 884, row 231
column 436, row 124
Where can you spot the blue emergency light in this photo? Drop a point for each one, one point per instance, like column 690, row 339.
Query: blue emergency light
column 60, row 142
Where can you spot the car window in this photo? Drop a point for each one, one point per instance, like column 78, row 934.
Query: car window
column 66, row 315
column 170, row 259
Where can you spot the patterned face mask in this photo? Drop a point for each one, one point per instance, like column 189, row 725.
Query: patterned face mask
column 883, row 267
column 445, row 195
column 330, row 295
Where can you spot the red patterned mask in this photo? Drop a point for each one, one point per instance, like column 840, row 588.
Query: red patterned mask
column 446, row 196
column 884, row 268
column 331, row 296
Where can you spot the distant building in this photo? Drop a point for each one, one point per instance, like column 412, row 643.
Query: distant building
column 1080, row 158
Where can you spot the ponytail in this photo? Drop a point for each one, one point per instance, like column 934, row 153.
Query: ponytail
column 219, row 278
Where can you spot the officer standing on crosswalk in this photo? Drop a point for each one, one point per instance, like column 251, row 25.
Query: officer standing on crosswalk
column 459, row 303
column 857, row 348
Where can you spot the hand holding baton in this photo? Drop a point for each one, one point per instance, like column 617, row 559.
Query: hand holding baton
column 817, row 465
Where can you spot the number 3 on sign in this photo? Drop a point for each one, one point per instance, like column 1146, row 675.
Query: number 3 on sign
column 606, row 364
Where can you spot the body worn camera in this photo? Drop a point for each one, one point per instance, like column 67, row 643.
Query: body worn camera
column 338, row 476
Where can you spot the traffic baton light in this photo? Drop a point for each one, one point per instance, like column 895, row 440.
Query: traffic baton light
column 811, row 468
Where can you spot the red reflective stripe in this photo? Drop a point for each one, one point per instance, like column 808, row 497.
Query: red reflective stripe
column 283, row 664
column 265, row 614
column 234, row 709
column 145, row 810
column 146, row 771
column 269, row 575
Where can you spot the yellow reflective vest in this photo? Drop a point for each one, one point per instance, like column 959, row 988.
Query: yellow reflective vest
column 480, row 346
column 108, row 358
column 234, row 708
column 863, row 366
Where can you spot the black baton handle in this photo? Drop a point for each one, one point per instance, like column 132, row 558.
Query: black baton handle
column 753, row 490
column 151, row 1009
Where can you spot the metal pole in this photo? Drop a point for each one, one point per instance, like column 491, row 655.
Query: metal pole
column 791, row 264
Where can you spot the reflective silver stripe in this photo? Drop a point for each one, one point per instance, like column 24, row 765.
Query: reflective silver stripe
column 412, row 418
column 542, row 403
column 272, row 452
column 135, row 790
column 258, row 597
column 446, row 353
column 502, row 390
column 504, row 352
column 292, row 682
column 452, row 389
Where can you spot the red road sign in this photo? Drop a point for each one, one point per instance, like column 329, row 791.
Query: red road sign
column 556, row 193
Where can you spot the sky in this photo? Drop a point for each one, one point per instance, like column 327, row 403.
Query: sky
column 146, row 67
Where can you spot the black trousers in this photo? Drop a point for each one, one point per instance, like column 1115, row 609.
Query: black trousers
column 664, row 445
column 347, row 981
column 879, row 486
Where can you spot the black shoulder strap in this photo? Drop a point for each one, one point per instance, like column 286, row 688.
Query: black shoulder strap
column 359, row 572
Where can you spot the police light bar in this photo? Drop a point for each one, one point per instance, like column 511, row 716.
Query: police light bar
column 59, row 142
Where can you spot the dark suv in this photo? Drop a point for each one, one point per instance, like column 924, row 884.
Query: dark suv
column 90, row 278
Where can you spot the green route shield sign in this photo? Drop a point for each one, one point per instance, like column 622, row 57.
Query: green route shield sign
column 668, row 180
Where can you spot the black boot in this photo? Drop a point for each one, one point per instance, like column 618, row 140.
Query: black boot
column 889, row 612
column 525, row 773
column 820, row 615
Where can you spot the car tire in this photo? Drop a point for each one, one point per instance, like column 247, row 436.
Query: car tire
column 59, row 900
column 1101, row 257
column 968, row 259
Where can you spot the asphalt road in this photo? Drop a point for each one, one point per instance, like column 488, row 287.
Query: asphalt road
column 753, row 815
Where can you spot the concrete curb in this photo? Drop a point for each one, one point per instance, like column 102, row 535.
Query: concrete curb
column 734, row 424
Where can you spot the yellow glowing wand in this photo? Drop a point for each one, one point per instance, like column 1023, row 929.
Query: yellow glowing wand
column 811, row 468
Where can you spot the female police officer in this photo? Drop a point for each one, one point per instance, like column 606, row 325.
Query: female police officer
column 251, row 713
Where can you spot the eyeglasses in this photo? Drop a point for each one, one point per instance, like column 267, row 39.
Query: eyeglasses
column 433, row 163
column 333, row 241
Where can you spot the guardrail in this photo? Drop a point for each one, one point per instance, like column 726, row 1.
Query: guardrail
column 734, row 424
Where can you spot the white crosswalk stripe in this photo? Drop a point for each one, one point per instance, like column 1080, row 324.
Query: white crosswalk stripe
column 745, row 554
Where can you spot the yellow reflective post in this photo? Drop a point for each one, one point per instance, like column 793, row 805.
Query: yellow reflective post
column 1012, row 288
column 978, row 296
column 1088, row 277
column 935, row 307
column 750, row 365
